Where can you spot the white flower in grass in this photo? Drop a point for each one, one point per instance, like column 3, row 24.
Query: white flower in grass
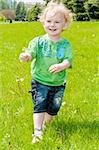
column 19, row 79
column 19, row 111
column 93, row 35
column 63, row 104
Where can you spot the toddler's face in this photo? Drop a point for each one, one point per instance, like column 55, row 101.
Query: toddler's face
column 54, row 23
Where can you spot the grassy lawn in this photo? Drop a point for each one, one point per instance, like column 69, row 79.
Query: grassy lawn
column 77, row 125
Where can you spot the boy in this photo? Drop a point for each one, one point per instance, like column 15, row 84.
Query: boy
column 51, row 55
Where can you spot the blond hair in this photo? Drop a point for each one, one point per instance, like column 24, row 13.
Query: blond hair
column 55, row 7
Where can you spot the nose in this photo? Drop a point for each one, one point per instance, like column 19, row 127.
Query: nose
column 52, row 24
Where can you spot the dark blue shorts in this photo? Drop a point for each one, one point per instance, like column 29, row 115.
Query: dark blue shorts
column 46, row 98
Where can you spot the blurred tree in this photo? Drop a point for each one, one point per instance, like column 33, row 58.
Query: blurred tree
column 2, row 17
column 34, row 12
column 92, row 8
column 8, row 4
column 9, row 14
column 83, row 9
column 47, row 1
column 4, row 4
column 14, row 5
column 21, row 11
column 80, row 11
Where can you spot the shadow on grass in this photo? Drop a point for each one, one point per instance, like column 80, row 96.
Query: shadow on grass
column 85, row 129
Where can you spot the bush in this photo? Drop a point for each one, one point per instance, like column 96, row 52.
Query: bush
column 82, row 17
column 8, row 14
column 20, row 12
column 34, row 12
column 2, row 18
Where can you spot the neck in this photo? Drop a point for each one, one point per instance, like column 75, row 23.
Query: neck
column 54, row 38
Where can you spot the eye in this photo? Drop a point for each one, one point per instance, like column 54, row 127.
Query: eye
column 57, row 21
column 48, row 21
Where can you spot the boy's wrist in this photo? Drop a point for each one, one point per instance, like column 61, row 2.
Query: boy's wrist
column 65, row 64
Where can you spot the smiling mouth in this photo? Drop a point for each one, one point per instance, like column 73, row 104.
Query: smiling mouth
column 52, row 29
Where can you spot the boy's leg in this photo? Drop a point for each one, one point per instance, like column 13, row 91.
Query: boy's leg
column 47, row 118
column 39, row 96
column 55, row 99
column 38, row 119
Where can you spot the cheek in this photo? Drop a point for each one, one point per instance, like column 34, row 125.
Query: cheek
column 45, row 25
column 60, row 27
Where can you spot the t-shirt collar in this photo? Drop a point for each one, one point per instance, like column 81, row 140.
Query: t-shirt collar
column 48, row 38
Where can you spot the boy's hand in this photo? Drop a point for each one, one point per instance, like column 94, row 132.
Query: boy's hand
column 55, row 68
column 24, row 57
column 59, row 67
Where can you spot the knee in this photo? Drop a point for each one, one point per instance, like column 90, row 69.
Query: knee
column 57, row 104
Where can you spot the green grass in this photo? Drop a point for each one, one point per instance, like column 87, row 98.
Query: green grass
column 77, row 125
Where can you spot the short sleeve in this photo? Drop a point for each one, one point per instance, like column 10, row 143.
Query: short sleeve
column 68, row 54
column 32, row 47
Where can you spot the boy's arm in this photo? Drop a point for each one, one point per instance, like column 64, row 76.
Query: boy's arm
column 25, row 56
column 59, row 67
column 30, row 52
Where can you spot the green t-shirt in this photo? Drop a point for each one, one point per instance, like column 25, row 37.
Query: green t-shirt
column 45, row 53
